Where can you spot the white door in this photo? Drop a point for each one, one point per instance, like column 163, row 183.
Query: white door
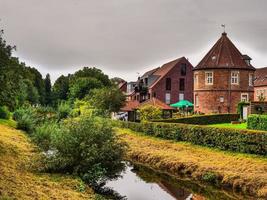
column 245, row 112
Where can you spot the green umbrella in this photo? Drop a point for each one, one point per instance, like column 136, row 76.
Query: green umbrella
column 182, row 103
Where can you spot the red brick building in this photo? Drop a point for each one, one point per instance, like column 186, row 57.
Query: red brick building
column 169, row 83
column 222, row 79
column 260, row 84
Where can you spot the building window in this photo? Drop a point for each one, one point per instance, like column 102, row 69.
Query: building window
column 209, row 78
column 181, row 84
column 235, row 77
column 168, row 84
column 221, row 99
column 183, row 69
column 196, row 79
column 181, row 96
column 146, row 81
column 154, row 94
column 196, row 100
column 244, row 97
column 167, row 98
column 250, row 80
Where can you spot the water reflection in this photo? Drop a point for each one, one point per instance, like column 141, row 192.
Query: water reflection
column 137, row 183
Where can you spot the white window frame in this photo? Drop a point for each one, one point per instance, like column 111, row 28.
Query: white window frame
column 234, row 77
column 242, row 97
column 221, row 99
column 250, row 79
column 181, row 95
column 208, row 78
column 168, row 98
column 196, row 100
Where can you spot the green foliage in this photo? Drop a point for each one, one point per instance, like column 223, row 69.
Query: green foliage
column 63, row 110
column 203, row 119
column 83, row 108
column 48, row 90
column 42, row 135
column 240, row 108
column 61, row 88
column 26, row 118
column 257, row 122
column 245, row 141
column 89, row 148
column 4, row 112
column 107, row 99
column 210, row 177
column 149, row 112
column 82, row 86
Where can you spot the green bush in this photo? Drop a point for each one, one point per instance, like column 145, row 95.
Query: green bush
column 257, row 122
column 4, row 112
column 87, row 147
column 149, row 112
column 26, row 118
column 43, row 134
column 203, row 119
column 63, row 110
column 245, row 141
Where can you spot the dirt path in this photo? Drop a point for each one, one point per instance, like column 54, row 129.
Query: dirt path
column 18, row 181
column 230, row 170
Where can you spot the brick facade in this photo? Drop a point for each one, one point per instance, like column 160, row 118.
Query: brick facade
column 223, row 94
column 159, row 89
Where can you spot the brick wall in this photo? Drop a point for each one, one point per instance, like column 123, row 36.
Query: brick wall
column 175, row 75
column 209, row 96
column 254, row 107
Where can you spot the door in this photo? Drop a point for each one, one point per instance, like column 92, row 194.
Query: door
column 245, row 112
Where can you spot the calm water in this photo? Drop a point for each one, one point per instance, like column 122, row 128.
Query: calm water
column 140, row 183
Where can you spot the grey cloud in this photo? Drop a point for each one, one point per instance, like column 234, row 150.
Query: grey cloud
column 125, row 37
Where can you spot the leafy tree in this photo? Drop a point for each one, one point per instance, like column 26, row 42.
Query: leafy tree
column 82, row 87
column 149, row 112
column 61, row 88
column 107, row 99
column 48, row 91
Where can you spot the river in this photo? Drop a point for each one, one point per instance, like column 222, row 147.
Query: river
column 141, row 183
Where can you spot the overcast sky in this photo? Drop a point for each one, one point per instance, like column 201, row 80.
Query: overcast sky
column 126, row 37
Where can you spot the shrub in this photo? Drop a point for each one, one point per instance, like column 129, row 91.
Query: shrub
column 257, row 122
column 43, row 134
column 89, row 148
column 4, row 112
column 63, row 110
column 245, row 141
column 26, row 118
column 203, row 119
column 149, row 112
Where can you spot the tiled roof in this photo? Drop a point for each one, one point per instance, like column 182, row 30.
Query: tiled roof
column 121, row 84
column 130, row 106
column 224, row 54
column 260, row 77
column 164, row 69
column 150, row 72
column 157, row 103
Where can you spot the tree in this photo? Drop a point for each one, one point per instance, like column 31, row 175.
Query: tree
column 107, row 99
column 149, row 112
column 61, row 88
column 48, row 91
column 82, row 86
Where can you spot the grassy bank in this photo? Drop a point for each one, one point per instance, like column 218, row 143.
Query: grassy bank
column 229, row 125
column 19, row 181
column 243, row 173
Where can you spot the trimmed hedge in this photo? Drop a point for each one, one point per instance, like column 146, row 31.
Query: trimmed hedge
column 203, row 119
column 244, row 141
column 257, row 122
column 4, row 112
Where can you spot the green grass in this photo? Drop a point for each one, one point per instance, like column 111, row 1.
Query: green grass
column 9, row 122
column 229, row 125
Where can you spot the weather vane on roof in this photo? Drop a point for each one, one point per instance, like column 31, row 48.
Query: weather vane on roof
column 223, row 25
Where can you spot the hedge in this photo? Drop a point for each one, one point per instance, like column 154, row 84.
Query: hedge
column 257, row 122
column 244, row 141
column 203, row 119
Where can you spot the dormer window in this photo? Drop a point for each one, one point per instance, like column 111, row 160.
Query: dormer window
column 235, row 77
column 247, row 59
column 250, row 79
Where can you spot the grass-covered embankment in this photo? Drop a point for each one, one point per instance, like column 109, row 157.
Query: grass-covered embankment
column 246, row 173
column 19, row 181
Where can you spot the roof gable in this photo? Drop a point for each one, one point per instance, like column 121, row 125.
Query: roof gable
column 260, row 77
column 224, row 54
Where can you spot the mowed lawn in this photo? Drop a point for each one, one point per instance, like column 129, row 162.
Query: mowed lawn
column 229, row 125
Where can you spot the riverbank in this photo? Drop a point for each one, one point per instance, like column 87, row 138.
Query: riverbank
column 19, row 181
column 240, row 172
